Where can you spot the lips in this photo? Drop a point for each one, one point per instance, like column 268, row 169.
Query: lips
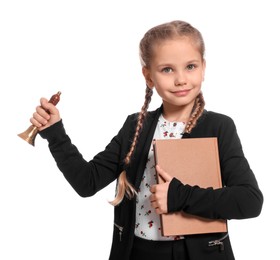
column 181, row 93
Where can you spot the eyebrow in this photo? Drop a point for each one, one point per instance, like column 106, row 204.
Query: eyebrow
column 170, row 64
column 193, row 61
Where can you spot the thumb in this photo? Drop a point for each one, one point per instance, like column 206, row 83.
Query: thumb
column 49, row 107
column 163, row 174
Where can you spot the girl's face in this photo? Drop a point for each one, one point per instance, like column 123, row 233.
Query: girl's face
column 176, row 71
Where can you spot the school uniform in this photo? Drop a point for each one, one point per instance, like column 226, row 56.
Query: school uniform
column 240, row 197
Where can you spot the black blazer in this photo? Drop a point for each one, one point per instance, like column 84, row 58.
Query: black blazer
column 239, row 198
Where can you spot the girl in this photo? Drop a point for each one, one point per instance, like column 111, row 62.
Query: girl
column 172, row 58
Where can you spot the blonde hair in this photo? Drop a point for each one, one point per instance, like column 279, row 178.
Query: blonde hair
column 153, row 36
column 168, row 31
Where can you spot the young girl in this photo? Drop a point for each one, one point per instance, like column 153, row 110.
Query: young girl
column 172, row 58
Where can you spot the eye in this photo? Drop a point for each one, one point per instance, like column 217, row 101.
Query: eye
column 191, row 67
column 167, row 70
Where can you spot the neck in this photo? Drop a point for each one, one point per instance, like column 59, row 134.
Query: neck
column 177, row 113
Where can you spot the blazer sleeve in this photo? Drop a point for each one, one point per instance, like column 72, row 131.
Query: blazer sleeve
column 86, row 177
column 240, row 196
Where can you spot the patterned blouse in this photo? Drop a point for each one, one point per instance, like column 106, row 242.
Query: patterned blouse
column 147, row 221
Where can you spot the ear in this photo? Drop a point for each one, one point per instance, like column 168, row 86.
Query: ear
column 203, row 69
column 147, row 76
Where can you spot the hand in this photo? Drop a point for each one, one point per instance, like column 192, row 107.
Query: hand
column 43, row 119
column 159, row 192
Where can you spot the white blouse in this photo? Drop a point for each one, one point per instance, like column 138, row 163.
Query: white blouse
column 147, row 221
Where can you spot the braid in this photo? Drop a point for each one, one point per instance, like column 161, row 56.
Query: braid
column 124, row 187
column 140, row 120
column 196, row 113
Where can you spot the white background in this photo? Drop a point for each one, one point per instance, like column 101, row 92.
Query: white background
column 88, row 50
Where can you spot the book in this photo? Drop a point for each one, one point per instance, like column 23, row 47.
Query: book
column 194, row 161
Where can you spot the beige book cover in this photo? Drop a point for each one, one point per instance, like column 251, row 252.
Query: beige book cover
column 194, row 161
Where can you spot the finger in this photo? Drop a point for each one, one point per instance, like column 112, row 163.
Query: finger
column 154, row 205
column 163, row 174
column 42, row 113
column 43, row 102
column 48, row 107
column 34, row 122
column 158, row 209
column 153, row 189
column 39, row 118
column 152, row 198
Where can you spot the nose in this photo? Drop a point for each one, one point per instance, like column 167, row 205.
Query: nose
column 180, row 83
column 180, row 80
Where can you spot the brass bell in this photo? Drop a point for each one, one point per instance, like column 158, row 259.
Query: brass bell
column 30, row 134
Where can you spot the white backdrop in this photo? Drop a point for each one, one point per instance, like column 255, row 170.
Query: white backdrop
column 88, row 50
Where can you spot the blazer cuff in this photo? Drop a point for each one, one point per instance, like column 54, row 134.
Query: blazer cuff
column 177, row 195
column 54, row 132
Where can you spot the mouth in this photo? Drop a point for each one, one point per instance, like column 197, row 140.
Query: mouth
column 181, row 93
